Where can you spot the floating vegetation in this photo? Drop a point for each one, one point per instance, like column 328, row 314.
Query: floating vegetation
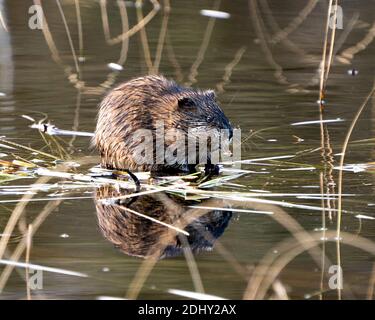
column 179, row 186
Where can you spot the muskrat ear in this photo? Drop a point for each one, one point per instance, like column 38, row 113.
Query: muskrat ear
column 185, row 102
column 211, row 94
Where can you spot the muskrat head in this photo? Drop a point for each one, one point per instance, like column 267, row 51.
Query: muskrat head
column 203, row 124
column 201, row 112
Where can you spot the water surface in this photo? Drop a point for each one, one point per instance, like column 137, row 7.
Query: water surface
column 263, row 88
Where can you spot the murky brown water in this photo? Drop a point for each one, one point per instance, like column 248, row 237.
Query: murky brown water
column 270, row 87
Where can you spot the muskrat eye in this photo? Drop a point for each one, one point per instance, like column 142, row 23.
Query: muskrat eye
column 209, row 118
column 186, row 102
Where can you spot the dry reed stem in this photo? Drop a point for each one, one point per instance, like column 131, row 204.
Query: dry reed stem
column 16, row 214
column 48, row 36
column 13, row 144
column 345, row 33
column 125, row 27
column 105, row 23
column 371, row 285
column 295, row 23
column 338, row 44
column 173, row 60
column 327, row 160
column 280, row 290
column 192, row 265
column 348, row 54
column 76, row 119
column 328, row 171
column 139, row 26
column 259, row 29
column 27, row 260
column 291, row 250
column 323, row 62
column 332, row 43
column 72, row 77
column 162, row 36
column 79, row 26
column 231, row 259
column 340, row 178
column 69, row 36
column 17, row 253
column 323, row 237
column 141, row 275
column 144, row 39
column 2, row 22
column 299, row 234
column 111, row 77
column 285, row 41
column 324, row 72
column 229, row 69
column 203, row 48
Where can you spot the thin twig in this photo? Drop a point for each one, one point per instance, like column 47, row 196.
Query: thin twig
column 79, row 25
column 143, row 36
column 203, row 48
column 162, row 36
column 193, row 268
column 229, row 69
column 69, row 36
column 139, row 26
column 16, row 214
column 340, row 178
column 17, row 253
column 28, row 249
column 2, row 22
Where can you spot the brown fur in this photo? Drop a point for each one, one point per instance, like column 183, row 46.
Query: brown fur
column 138, row 104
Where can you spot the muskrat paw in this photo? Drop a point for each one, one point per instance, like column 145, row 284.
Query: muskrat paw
column 211, row 170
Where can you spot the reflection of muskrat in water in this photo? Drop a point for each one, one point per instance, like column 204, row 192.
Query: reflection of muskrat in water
column 137, row 236
column 142, row 103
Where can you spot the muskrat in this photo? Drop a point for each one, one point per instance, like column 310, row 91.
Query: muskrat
column 143, row 103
